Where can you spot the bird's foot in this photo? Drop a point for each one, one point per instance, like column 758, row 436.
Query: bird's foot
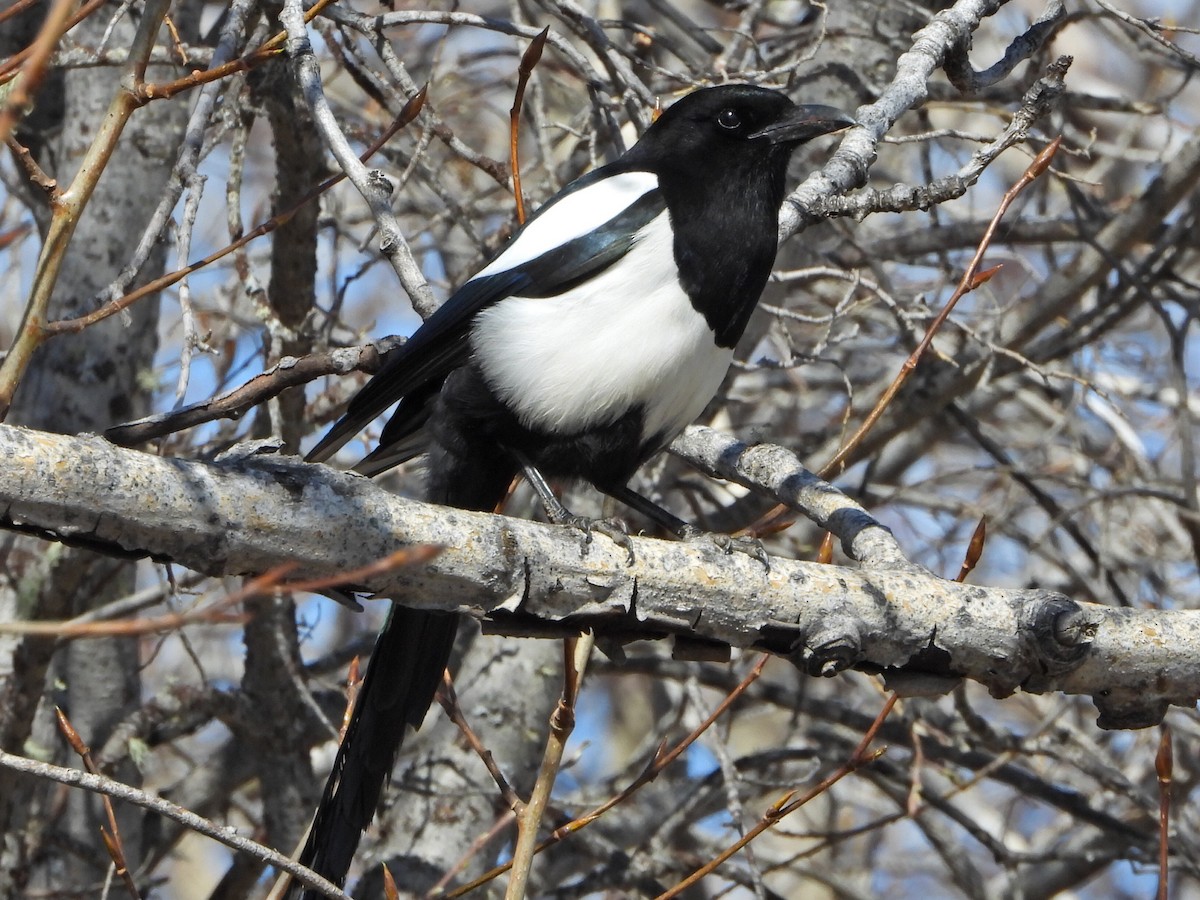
column 614, row 529
column 728, row 543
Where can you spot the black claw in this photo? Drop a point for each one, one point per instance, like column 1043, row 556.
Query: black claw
column 729, row 544
column 614, row 529
column 749, row 546
column 760, row 554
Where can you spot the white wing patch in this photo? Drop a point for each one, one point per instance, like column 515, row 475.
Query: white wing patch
column 628, row 337
column 573, row 216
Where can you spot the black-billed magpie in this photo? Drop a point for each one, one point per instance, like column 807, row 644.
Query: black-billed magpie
column 597, row 334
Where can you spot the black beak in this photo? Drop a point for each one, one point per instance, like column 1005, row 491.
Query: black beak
column 803, row 123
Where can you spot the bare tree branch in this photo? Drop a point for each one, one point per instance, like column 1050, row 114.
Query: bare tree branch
column 248, row 515
column 99, row 784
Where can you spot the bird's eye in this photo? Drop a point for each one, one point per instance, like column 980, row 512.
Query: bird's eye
column 729, row 119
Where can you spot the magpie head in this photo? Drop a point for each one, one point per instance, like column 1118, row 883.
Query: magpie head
column 734, row 123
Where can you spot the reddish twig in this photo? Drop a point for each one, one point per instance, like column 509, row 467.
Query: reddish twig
column 447, row 698
column 214, row 614
column 505, row 820
column 12, row 235
column 33, row 69
column 36, row 174
column 268, row 582
column 406, row 556
column 529, row 59
column 270, row 49
column 176, row 40
column 1164, row 766
column 661, row 759
column 9, row 67
column 18, row 7
column 974, row 550
column 72, row 326
column 111, row 835
column 787, row 805
column 972, row 279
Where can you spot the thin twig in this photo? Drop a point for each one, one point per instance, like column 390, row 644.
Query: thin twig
column 269, row 582
column 972, row 278
column 373, row 187
column 576, row 652
column 405, row 556
column 111, row 836
column 227, row 835
column 732, row 784
column 1153, row 31
column 33, row 70
column 506, row 819
column 14, row 62
column 1164, row 765
column 214, row 614
column 662, row 758
column 183, row 248
column 529, row 59
column 787, row 805
column 13, row 9
column 447, row 698
column 270, row 49
column 238, row 14
column 75, row 325
column 36, row 174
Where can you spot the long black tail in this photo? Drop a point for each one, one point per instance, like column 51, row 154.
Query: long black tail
column 406, row 666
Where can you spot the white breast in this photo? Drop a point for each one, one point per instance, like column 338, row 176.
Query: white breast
column 628, row 337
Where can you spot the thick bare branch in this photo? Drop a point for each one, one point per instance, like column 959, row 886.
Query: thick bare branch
column 250, row 514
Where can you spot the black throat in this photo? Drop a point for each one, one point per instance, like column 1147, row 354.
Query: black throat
column 726, row 233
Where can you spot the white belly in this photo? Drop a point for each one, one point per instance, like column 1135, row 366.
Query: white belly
column 626, row 338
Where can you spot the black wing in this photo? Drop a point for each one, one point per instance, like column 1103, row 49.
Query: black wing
column 420, row 365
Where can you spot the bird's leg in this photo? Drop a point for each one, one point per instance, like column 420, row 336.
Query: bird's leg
column 685, row 531
column 560, row 515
